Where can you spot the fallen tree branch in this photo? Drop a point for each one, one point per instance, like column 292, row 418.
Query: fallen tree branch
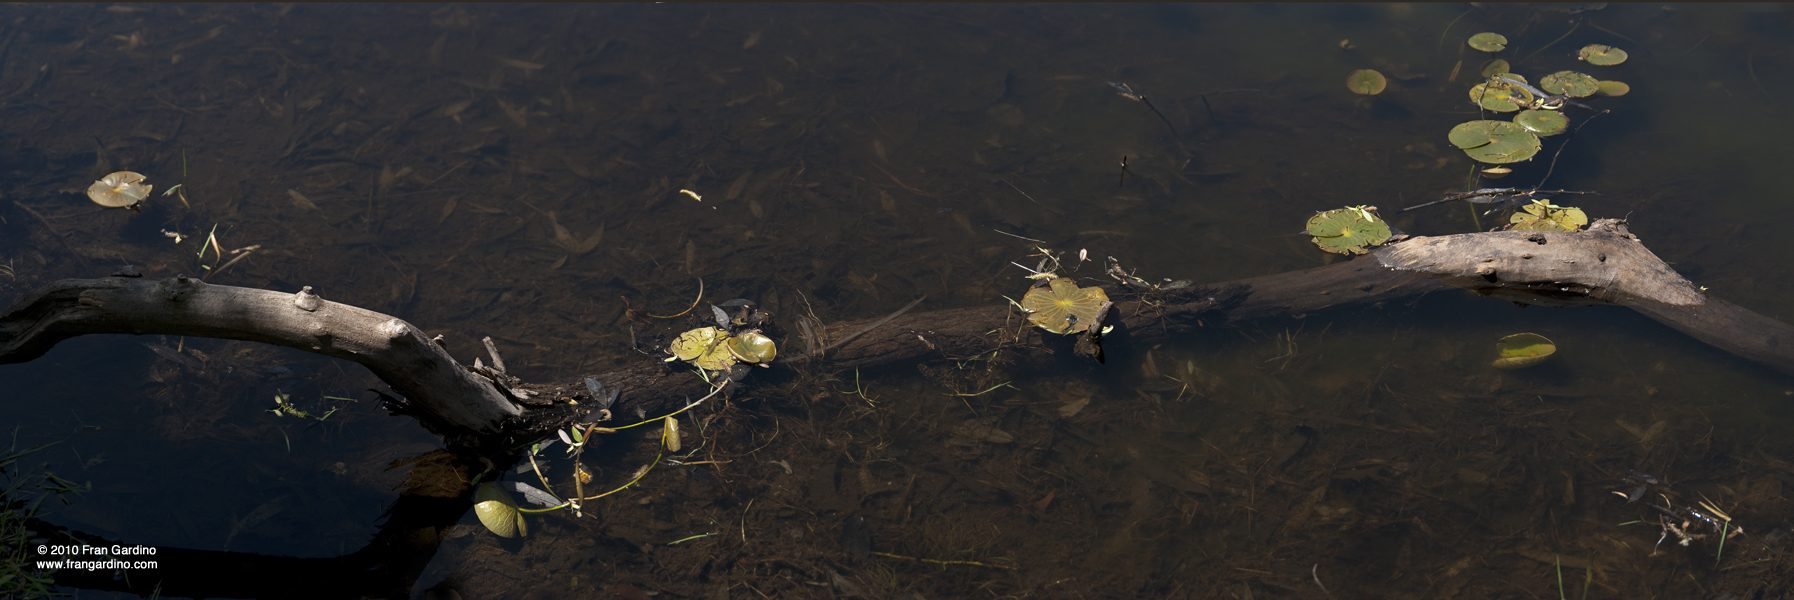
column 483, row 407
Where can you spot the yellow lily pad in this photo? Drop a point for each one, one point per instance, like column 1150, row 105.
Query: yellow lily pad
column 1063, row 307
column 1544, row 216
column 703, row 347
column 752, row 348
column 1522, row 350
column 498, row 512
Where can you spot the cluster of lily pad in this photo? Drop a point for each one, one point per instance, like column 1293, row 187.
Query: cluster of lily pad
column 1500, row 142
column 714, row 349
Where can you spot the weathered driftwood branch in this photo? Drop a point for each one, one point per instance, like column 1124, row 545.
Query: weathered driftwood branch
column 439, row 391
column 479, row 406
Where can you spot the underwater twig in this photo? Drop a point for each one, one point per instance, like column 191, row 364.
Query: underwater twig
column 58, row 234
column 241, row 253
column 1030, row 198
column 1553, row 43
column 1560, row 148
column 944, row 562
column 1127, row 92
column 992, row 389
column 1447, row 30
column 694, row 302
column 1315, row 572
column 1017, row 236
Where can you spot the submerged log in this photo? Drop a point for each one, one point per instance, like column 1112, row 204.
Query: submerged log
column 482, row 408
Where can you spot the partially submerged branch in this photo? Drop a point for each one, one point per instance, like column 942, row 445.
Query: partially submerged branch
column 483, row 406
column 448, row 398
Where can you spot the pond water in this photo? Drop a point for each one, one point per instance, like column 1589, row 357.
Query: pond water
column 516, row 171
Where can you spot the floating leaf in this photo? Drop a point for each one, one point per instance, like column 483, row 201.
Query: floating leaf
column 1497, row 172
column 752, row 347
column 1602, row 55
column 118, row 190
column 1488, row 42
column 1347, row 230
column 498, row 512
column 1495, row 142
column 1542, row 122
column 1501, row 96
column 1522, row 350
column 1570, row 83
column 1613, row 88
column 532, row 494
column 1543, row 216
column 1062, row 307
column 703, row 347
column 1495, row 67
column 669, row 433
column 1367, row 82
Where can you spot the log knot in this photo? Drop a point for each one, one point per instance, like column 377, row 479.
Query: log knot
column 306, row 300
column 180, row 285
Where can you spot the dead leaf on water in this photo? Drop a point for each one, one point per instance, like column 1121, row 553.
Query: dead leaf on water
column 565, row 240
column 517, row 115
column 448, row 208
column 1645, row 436
column 300, row 200
column 528, row 67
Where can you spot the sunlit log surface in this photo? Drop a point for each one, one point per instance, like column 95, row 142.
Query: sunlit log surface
column 1603, row 265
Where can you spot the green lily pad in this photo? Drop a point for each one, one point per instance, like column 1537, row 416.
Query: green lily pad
column 1613, row 88
column 1347, row 230
column 1542, row 122
column 703, row 347
column 1367, row 82
column 1543, row 216
column 1488, row 42
column 498, row 512
column 1569, row 83
column 1522, row 350
column 1055, row 306
column 1601, row 55
column 1501, row 96
column 1495, row 142
column 1495, row 67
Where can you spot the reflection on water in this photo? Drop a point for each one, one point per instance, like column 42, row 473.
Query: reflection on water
column 516, row 171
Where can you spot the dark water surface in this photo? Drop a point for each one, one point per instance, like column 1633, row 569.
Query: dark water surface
column 514, row 171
